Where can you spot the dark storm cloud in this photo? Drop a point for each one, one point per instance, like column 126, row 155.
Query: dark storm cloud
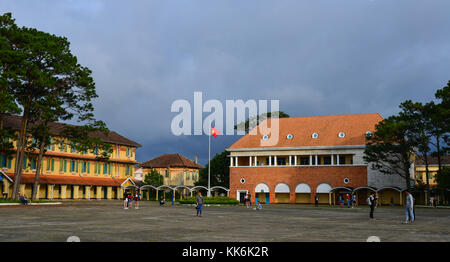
column 316, row 57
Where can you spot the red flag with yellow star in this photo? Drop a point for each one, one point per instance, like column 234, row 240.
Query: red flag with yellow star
column 214, row 132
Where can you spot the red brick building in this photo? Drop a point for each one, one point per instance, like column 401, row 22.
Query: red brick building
column 320, row 155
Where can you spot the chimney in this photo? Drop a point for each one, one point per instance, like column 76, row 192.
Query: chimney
column 196, row 159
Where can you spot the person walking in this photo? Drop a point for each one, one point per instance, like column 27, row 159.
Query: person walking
column 130, row 200
column 409, row 208
column 353, row 200
column 125, row 200
column 161, row 201
column 348, row 200
column 137, row 198
column 199, row 202
column 173, row 198
column 249, row 200
column 372, row 201
column 316, row 200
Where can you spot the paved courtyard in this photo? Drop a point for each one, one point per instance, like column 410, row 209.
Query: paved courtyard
column 108, row 221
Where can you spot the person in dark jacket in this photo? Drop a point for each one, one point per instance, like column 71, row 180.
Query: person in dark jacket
column 372, row 202
column 199, row 202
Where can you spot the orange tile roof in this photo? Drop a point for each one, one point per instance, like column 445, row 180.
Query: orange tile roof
column 170, row 160
column 327, row 127
column 70, row 180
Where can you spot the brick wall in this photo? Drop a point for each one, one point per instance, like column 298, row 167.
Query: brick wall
column 292, row 176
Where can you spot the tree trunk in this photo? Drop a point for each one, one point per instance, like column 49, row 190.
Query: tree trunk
column 438, row 147
column 426, row 177
column 20, row 154
column 38, row 169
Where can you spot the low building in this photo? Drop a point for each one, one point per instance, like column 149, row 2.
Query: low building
column 69, row 174
column 433, row 167
column 176, row 169
column 320, row 155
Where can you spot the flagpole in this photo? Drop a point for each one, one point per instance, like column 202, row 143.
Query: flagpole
column 209, row 161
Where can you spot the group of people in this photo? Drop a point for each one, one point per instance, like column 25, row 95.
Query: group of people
column 410, row 216
column 23, row 199
column 248, row 202
column 128, row 199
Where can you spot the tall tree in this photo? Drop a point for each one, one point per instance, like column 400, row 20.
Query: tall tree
column 220, row 171
column 419, row 133
column 440, row 118
column 389, row 150
column 38, row 66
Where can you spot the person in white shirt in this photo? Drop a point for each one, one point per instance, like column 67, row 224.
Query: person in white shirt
column 409, row 208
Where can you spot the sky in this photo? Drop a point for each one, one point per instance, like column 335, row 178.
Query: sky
column 319, row 57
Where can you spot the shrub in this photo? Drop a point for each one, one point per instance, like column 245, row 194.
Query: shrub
column 211, row 200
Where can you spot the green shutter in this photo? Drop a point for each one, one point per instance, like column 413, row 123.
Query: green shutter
column 53, row 164
column 9, row 162
column 24, row 162
column 65, row 165
column 33, row 163
column 2, row 161
column 88, row 167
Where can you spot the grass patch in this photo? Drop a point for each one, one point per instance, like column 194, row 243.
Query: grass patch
column 211, row 200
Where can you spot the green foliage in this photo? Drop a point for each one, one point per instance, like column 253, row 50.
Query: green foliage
column 220, row 171
column 413, row 131
column 211, row 200
column 443, row 179
column 40, row 75
column 153, row 178
column 388, row 149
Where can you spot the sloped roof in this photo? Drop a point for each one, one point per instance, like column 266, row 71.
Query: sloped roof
column 327, row 127
column 14, row 121
column 170, row 160
column 432, row 160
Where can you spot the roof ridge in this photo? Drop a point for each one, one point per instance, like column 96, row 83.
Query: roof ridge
column 331, row 115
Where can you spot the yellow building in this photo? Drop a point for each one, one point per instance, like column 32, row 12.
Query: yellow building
column 68, row 174
column 176, row 169
column 433, row 167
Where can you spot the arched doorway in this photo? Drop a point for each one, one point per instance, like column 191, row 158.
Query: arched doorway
column 322, row 192
column 302, row 194
column 262, row 193
column 390, row 196
column 282, row 193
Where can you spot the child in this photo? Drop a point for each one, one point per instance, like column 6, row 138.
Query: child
column 258, row 206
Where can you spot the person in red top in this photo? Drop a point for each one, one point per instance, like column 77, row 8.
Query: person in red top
column 349, row 200
column 130, row 200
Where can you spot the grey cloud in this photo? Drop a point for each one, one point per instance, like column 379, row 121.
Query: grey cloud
column 317, row 57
